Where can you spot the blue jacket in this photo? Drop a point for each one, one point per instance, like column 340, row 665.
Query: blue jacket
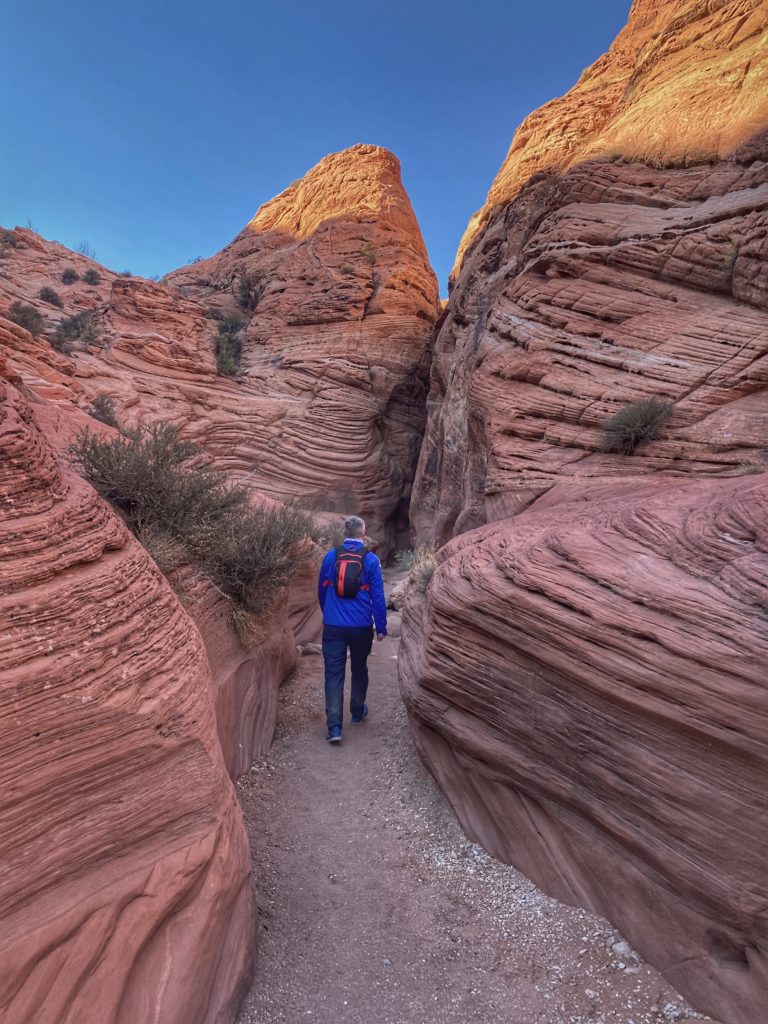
column 369, row 607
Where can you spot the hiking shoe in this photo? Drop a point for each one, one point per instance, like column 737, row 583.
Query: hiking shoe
column 362, row 718
column 334, row 736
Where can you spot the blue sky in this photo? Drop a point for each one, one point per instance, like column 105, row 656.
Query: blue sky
column 154, row 130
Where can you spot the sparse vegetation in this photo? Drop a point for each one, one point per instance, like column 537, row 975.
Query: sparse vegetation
column 635, row 424
column 404, row 560
column 421, row 565
column 28, row 317
column 102, row 408
column 250, row 288
column 80, row 329
column 8, row 240
column 125, row 273
column 229, row 346
column 92, row 276
column 156, row 480
column 50, row 296
column 70, row 275
column 195, row 259
column 86, row 249
column 347, row 268
column 369, row 253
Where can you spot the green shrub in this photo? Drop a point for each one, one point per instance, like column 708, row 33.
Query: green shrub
column 102, row 408
column 368, row 252
column 50, row 296
column 70, row 275
column 80, row 329
column 92, row 276
column 244, row 294
column 149, row 474
column 635, row 424
column 229, row 347
column 347, row 268
column 28, row 317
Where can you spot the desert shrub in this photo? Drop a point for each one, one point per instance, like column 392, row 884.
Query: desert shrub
column 250, row 554
column 150, row 475
column 69, row 275
column 404, row 560
column 27, row 317
column 229, row 346
column 92, row 276
column 250, row 288
column 422, row 568
column 102, row 408
column 125, row 273
column 347, row 268
column 168, row 552
column 49, row 295
column 146, row 473
column 8, row 240
column 86, row 249
column 244, row 294
column 636, row 423
column 368, row 252
column 73, row 330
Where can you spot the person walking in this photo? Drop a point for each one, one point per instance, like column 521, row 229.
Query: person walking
column 350, row 590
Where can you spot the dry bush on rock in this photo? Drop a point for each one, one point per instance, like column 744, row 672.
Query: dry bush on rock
column 636, row 423
column 50, row 296
column 151, row 475
column 27, row 317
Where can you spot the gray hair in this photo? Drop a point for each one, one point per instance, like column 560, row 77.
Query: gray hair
column 354, row 526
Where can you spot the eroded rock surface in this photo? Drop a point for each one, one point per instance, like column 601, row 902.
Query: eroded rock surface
column 124, row 868
column 609, row 265
column 586, row 681
column 337, row 312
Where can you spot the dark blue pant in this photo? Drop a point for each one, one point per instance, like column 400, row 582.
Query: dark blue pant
column 336, row 640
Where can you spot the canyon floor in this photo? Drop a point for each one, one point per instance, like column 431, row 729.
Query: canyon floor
column 374, row 908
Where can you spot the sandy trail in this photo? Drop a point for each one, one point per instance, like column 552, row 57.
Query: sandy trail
column 375, row 909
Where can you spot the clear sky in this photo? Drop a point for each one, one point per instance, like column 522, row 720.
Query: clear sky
column 153, row 129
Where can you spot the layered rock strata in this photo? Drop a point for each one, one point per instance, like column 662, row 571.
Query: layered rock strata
column 336, row 297
column 621, row 254
column 584, row 674
column 125, row 880
column 586, row 682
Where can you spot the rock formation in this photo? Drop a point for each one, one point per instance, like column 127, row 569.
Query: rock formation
column 337, row 299
column 621, row 254
column 586, row 682
column 125, row 881
column 584, row 675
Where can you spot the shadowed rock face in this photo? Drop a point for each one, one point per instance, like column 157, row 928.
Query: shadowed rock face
column 584, row 676
column 124, row 886
column 329, row 406
column 586, row 681
column 588, row 283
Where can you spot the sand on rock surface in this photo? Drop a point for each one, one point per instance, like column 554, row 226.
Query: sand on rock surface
column 374, row 908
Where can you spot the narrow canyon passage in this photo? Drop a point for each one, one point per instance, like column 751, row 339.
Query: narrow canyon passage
column 375, row 909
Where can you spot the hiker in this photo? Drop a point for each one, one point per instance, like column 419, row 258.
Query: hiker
column 351, row 594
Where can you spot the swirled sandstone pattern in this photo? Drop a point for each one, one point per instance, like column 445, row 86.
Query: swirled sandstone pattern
column 587, row 683
column 329, row 403
column 124, row 867
column 609, row 265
